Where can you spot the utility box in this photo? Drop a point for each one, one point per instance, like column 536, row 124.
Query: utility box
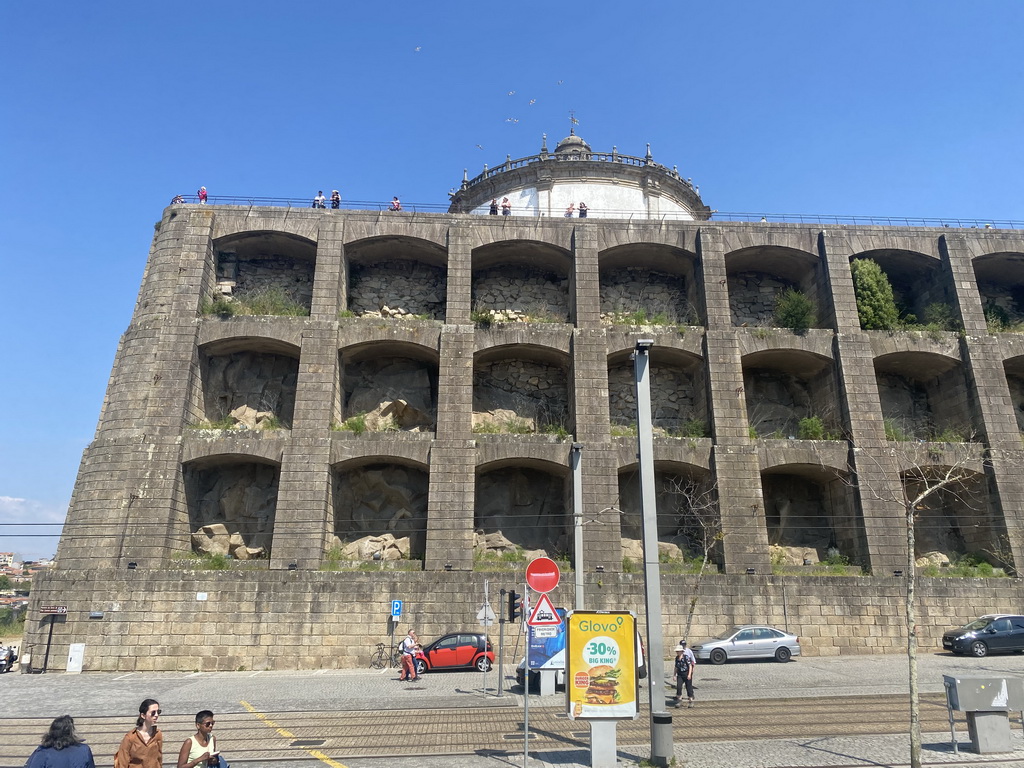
column 987, row 702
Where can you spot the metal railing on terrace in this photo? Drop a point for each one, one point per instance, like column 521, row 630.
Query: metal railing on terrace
column 942, row 222
column 597, row 157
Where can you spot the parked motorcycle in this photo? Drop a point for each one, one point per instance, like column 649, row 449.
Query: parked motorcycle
column 8, row 656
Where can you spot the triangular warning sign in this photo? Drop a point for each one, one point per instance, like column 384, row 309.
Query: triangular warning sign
column 544, row 614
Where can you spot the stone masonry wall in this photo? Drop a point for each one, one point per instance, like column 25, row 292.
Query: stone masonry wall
column 396, row 289
column 515, row 293
column 320, row 620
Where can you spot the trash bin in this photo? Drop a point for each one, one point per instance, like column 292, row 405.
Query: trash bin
column 987, row 702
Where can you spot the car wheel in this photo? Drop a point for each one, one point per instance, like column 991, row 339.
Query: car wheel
column 421, row 667
column 783, row 654
column 979, row 649
column 482, row 664
column 718, row 656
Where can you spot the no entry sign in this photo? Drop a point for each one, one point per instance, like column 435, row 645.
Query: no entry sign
column 542, row 574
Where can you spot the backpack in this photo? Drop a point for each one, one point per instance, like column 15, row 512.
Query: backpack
column 683, row 664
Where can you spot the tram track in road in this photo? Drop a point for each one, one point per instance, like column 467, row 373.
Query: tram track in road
column 272, row 736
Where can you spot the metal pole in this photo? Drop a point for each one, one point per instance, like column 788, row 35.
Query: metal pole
column 526, row 690
column 661, row 721
column 576, row 460
column 501, row 639
column 487, row 604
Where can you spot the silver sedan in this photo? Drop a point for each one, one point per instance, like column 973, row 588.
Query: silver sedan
column 749, row 641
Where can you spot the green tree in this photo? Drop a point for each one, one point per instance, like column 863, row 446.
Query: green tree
column 794, row 310
column 876, row 305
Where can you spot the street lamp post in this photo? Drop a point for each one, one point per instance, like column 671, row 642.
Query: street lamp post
column 662, row 749
column 575, row 460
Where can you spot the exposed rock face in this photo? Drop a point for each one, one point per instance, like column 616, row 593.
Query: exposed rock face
column 528, row 506
column 241, row 499
column 391, row 390
column 368, row 547
column 776, row 401
column 1017, row 396
column 634, row 550
column 905, row 402
column 259, row 382
column 496, row 543
column 752, row 297
column 397, row 288
column 536, row 393
column 794, row 555
column 514, row 294
column 382, row 499
column 241, row 275
column 796, row 512
column 627, row 291
column 938, row 559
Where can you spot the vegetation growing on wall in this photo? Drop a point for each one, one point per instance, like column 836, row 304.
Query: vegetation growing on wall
column 271, row 300
column 794, row 310
column 876, row 305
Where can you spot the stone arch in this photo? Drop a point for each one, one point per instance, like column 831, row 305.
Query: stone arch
column 377, row 496
column 521, row 280
column 392, row 276
column 918, row 280
column 811, row 514
column 521, row 389
column 678, row 392
column 1000, row 278
column 1014, row 368
column 687, row 511
column 393, row 386
column 232, row 504
column 523, row 504
column 783, row 386
column 265, row 272
column 953, row 521
column 923, row 396
column 249, row 382
column 757, row 274
column 647, row 282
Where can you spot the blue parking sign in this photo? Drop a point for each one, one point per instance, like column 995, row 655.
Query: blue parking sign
column 396, row 608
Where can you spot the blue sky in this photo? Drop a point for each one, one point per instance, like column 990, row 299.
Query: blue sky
column 109, row 109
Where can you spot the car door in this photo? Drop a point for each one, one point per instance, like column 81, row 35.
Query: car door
column 444, row 654
column 466, row 650
column 743, row 644
column 1016, row 642
column 999, row 635
column 765, row 642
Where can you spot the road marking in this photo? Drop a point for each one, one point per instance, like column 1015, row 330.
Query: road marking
column 122, row 677
column 289, row 735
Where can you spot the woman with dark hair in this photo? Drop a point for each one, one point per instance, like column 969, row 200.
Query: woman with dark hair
column 61, row 748
column 201, row 749
column 144, row 745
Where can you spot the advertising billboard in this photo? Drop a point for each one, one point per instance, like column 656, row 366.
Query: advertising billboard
column 601, row 671
column 547, row 645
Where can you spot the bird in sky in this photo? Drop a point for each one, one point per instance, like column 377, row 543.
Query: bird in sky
column 560, row 82
column 532, row 102
column 479, row 146
column 511, row 119
column 511, row 93
column 418, row 48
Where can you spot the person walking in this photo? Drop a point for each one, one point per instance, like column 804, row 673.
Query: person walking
column 202, row 195
column 144, row 745
column 506, row 207
column 200, row 749
column 61, row 748
column 682, row 670
column 408, row 647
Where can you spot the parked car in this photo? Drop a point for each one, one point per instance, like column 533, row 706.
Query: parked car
column 749, row 642
column 992, row 633
column 457, row 650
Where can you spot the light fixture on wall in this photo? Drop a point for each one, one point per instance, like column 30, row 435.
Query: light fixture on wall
column 447, row 566
column 293, row 566
column 132, row 565
column 897, row 572
column 599, row 568
column 751, row 571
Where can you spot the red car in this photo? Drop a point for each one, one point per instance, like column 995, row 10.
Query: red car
column 466, row 650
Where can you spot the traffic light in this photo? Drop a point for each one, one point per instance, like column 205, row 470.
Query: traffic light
column 515, row 605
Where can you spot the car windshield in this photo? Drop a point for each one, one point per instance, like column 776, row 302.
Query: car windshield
column 977, row 624
column 728, row 635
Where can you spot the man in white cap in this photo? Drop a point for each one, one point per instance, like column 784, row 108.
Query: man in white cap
column 682, row 670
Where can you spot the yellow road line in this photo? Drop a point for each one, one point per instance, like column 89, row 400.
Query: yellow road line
column 289, row 735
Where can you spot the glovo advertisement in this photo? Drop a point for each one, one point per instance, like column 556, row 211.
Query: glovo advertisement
column 600, row 657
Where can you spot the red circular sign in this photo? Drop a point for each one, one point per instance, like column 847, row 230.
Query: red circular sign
column 542, row 574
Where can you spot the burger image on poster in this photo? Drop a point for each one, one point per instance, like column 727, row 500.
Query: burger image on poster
column 601, row 655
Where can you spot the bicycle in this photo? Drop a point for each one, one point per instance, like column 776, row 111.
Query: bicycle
column 383, row 658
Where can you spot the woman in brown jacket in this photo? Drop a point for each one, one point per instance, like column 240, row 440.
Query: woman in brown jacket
column 143, row 746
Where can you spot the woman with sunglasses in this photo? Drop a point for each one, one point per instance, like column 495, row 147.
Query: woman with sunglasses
column 201, row 749
column 143, row 746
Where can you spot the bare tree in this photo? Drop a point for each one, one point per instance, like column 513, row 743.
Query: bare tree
column 700, row 526
column 925, row 472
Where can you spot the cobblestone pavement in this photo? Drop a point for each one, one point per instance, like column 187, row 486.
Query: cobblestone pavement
column 116, row 696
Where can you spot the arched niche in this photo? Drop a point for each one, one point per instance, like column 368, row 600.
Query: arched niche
column 392, row 386
column 521, row 389
column 521, row 281
column 811, row 514
column 232, row 503
column 397, row 277
column 1000, row 278
column 1015, row 380
column 689, row 522
column 248, row 383
column 648, row 283
column 917, row 280
column 678, row 393
column 784, row 386
column 375, row 497
column 923, row 397
column 265, row 273
column 523, row 505
column 954, row 520
column 759, row 274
